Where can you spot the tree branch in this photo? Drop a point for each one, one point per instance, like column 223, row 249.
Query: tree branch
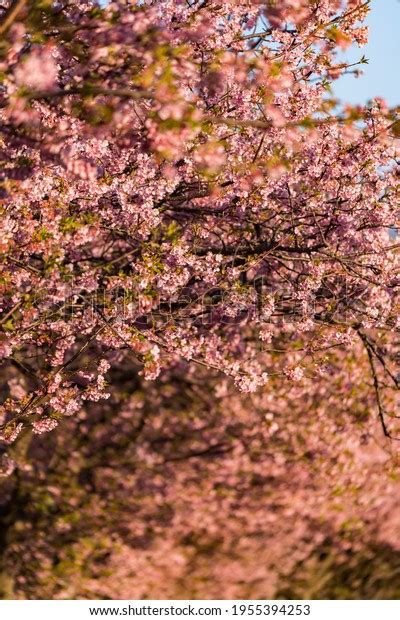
column 11, row 14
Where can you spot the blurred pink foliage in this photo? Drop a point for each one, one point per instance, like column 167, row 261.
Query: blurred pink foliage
column 184, row 207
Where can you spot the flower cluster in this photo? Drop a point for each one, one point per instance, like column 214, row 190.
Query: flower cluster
column 177, row 191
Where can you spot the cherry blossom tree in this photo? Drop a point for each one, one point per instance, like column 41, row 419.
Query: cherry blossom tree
column 194, row 493
column 187, row 209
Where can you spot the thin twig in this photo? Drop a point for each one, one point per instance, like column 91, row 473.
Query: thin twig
column 11, row 15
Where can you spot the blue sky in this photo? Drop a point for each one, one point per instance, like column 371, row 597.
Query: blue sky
column 381, row 75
